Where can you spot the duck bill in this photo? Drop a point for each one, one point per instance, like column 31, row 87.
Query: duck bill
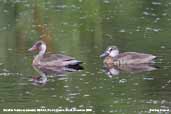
column 32, row 49
column 104, row 54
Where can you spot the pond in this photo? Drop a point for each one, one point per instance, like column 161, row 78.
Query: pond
column 84, row 29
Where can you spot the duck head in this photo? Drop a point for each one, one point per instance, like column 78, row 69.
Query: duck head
column 39, row 46
column 111, row 51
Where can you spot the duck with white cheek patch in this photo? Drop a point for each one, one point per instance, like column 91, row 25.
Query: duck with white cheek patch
column 113, row 57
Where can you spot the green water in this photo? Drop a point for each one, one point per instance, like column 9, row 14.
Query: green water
column 83, row 29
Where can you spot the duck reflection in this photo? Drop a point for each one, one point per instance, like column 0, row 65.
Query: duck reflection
column 130, row 68
column 55, row 71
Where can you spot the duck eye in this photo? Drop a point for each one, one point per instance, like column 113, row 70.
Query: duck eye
column 39, row 44
column 110, row 49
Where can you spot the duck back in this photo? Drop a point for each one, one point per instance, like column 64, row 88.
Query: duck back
column 134, row 58
column 59, row 60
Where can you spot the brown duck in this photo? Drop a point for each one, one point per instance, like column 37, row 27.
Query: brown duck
column 51, row 60
column 113, row 57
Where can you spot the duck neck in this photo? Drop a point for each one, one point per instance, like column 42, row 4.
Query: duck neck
column 42, row 50
column 40, row 54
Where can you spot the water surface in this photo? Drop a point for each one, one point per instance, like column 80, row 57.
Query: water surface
column 83, row 29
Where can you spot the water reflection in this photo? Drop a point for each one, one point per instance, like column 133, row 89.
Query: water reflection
column 130, row 68
column 54, row 71
column 82, row 28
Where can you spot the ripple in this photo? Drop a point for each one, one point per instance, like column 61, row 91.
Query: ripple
column 162, row 47
column 74, row 94
column 28, row 93
column 64, row 78
column 83, row 74
column 9, row 74
column 148, row 78
column 135, row 84
column 122, row 81
column 53, row 96
column 146, row 13
column 122, row 30
column 66, row 86
column 81, row 106
column 106, row 1
column 61, row 97
column 22, row 84
column 156, row 30
column 52, row 89
column 42, row 106
column 37, row 100
column 156, row 3
column 86, row 82
column 86, row 95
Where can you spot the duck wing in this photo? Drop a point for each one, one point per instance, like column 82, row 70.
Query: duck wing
column 58, row 60
column 135, row 58
column 52, row 57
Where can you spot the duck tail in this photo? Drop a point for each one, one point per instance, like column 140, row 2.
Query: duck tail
column 150, row 59
column 75, row 67
column 71, row 62
column 74, row 64
column 153, row 57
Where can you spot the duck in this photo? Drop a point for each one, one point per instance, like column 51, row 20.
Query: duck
column 44, row 60
column 112, row 56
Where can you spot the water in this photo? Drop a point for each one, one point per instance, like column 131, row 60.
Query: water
column 83, row 29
